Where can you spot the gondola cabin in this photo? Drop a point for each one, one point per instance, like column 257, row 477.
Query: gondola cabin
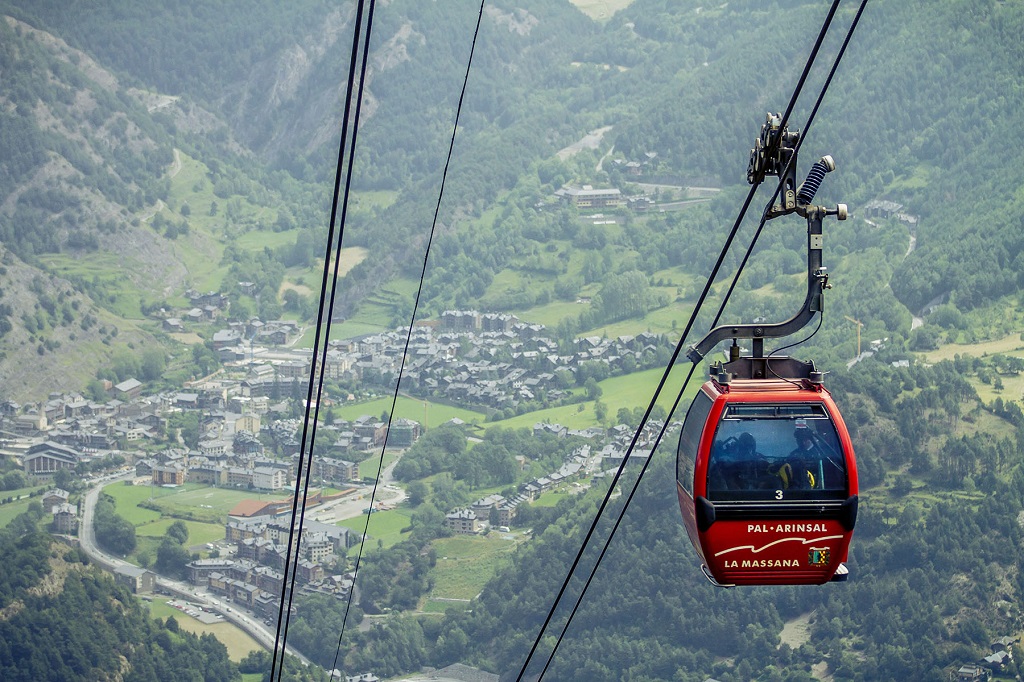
column 767, row 482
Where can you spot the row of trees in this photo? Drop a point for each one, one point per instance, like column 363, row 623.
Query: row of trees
column 114, row 533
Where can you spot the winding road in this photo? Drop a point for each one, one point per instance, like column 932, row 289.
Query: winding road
column 248, row 622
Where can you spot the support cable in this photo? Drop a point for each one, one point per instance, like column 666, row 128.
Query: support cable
column 697, row 308
column 319, row 343
column 408, row 336
column 636, row 434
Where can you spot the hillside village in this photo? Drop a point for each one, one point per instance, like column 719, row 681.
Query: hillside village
column 487, row 362
column 249, row 438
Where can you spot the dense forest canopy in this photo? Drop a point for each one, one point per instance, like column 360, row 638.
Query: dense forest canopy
column 82, row 626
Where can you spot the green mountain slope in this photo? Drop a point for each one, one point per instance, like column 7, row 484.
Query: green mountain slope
column 666, row 78
column 935, row 574
column 63, row 620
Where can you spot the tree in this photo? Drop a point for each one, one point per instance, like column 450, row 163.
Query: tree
column 178, row 531
column 417, row 491
column 925, row 337
column 171, row 558
column 185, row 425
column 13, row 480
column 125, row 365
column 624, row 416
column 96, row 391
column 113, row 533
column 153, row 363
column 62, row 478
column 429, row 522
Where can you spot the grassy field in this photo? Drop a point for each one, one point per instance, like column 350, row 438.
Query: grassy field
column 669, row 320
column 425, row 412
column 374, row 198
column 23, row 492
column 1013, row 386
column 108, row 269
column 368, row 467
column 1008, row 345
column 218, row 501
column 238, row 643
column 127, row 498
column 634, row 390
column 465, row 563
column 188, row 500
column 198, row 533
column 550, row 498
column 601, row 10
column 11, row 509
column 385, row 526
column 375, row 313
column 308, row 281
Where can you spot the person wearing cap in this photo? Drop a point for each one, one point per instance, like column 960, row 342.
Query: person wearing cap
column 801, row 460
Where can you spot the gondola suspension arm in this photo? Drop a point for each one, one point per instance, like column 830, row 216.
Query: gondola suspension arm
column 775, row 153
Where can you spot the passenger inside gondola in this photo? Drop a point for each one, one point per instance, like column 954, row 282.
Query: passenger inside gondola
column 753, row 455
column 735, row 463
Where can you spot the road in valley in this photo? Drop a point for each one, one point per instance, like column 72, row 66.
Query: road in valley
column 265, row 635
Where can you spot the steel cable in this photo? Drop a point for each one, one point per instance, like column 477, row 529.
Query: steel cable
column 408, row 337
column 322, row 333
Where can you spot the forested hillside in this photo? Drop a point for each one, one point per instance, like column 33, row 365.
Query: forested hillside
column 935, row 575
column 683, row 83
column 62, row 620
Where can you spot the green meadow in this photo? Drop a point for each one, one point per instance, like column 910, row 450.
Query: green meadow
column 12, row 509
column 631, row 391
column 238, row 643
column 370, row 466
column 385, row 526
column 601, row 10
column 466, row 562
column 199, row 534
column 425, row 412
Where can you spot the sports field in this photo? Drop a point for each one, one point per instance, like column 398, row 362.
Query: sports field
column 190, row 501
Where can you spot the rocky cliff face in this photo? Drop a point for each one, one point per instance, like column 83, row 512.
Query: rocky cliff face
column 292, row 100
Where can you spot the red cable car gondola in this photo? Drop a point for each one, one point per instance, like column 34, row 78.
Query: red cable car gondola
column 765, row 469
column 767, row 481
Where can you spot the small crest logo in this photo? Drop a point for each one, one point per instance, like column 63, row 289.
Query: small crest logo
column 819, row 556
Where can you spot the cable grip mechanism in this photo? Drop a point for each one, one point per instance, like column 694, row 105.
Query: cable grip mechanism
column 770, row 155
